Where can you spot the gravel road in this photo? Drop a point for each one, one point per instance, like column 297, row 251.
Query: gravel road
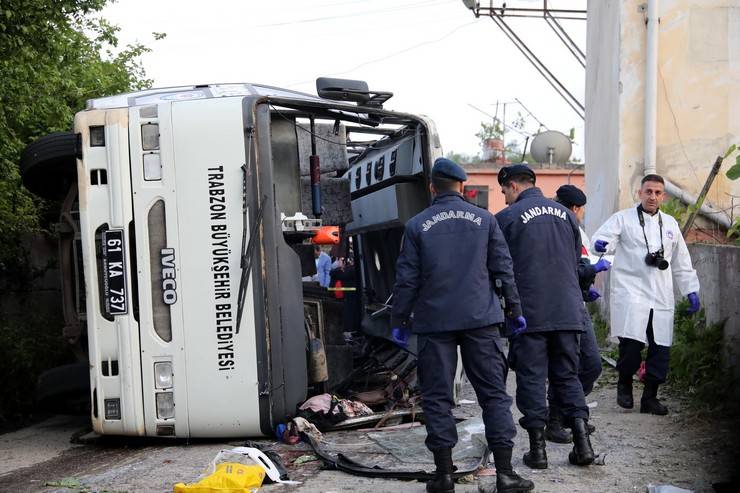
column 684, row 449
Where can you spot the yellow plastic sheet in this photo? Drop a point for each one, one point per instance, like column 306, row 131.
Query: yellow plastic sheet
column 230, row 477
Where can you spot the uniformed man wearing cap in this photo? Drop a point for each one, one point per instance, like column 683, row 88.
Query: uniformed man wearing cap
column 545, row 246
column 451, row 254
column 589, row 360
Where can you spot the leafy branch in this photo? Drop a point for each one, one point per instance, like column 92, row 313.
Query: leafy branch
column 733, row 174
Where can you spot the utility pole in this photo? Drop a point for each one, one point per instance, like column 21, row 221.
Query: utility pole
column 503, row 132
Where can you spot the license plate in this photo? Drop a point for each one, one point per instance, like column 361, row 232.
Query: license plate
column 114, row 272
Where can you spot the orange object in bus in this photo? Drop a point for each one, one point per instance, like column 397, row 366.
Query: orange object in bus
column 326, row 235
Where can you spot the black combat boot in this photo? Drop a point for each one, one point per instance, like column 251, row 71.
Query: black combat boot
column 507, row 481
column 649, row 404
column 442, row 482
column 555, row 432
column 536, row 458
column 582, row 453
column 624, row 392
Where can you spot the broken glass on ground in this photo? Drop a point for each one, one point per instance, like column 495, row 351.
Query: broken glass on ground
column 401, row 454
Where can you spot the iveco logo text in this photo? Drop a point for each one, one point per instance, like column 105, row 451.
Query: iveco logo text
column 169, row 283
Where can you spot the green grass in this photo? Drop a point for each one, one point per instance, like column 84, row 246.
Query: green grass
column 698, row 364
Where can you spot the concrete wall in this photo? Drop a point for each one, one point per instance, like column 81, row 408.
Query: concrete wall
column 698, row 98
column 602, row 131
column 718, row 267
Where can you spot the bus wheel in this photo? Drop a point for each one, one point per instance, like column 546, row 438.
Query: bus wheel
column 49, row 165
column 64, row 389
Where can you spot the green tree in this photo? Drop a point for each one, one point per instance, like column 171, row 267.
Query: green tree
column 462, row 158
column 54, row 55
column 733, row 174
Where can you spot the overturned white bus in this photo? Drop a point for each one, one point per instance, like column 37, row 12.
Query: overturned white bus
column 185, row 234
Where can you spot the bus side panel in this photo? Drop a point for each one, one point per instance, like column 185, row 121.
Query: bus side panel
column 222, row 382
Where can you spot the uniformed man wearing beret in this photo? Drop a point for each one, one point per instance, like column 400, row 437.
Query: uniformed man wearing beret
column 452, row 253
column 589, row 360
column 545, row 246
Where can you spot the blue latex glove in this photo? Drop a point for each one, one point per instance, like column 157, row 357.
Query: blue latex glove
column 279, row 432
column 694, row 303
column 600, row 246
column 602, row 265
column 516, row 325
column 593, row 295
column 400, row 335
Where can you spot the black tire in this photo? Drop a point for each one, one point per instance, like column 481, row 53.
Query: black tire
column 49, row 165
column 64, row 389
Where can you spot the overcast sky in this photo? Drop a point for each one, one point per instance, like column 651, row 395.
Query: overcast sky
column 434, row 55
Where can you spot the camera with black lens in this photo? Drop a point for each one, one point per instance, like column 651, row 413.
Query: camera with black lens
column 656, row 259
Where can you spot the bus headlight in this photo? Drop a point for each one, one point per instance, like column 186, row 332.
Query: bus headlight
column 163, row 375
column 165, row 405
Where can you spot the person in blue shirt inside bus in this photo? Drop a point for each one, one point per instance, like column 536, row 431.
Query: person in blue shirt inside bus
column 323, row 266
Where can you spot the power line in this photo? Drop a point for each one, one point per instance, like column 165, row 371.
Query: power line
column 425, row 3
column 531, row 114
column 506, row 125
column 562, row 34
column 572, row 101
column 391, row 55
column 334, row 4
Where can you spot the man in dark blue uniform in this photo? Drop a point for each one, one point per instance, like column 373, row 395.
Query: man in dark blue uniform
column 545, row 246
column 452, row 253
column 589, row 360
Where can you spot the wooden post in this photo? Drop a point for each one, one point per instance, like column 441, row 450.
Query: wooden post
column 702, row 195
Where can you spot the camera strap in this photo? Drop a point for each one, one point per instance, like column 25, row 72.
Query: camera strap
column 641, row 218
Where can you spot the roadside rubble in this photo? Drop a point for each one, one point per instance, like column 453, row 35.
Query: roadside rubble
column 395, row 453
column 390, row 447
column 683, row 450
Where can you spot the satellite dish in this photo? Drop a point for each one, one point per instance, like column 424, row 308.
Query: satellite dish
column 551, row 147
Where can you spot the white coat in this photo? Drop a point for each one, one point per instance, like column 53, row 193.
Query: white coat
column 635, row 287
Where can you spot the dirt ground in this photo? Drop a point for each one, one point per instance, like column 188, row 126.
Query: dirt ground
column 684, row 449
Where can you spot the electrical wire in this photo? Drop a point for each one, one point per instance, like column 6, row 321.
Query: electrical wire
column 520, row 131
column 542, row 125
column 391, row 55
column 563, row 35
column 338, row 4
column 571, row 100
column 425, row 3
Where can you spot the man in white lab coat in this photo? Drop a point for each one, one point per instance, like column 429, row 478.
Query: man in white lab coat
column 649, row 255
